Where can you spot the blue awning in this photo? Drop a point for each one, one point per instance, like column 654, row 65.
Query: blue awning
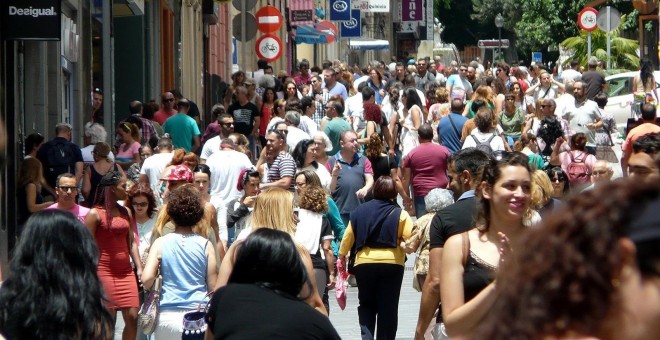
column 362, row 44
column 308, row 34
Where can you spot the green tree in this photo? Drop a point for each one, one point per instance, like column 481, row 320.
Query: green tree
column 623, row 51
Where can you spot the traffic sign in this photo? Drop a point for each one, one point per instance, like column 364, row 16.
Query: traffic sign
column 250, row 26
column 249, row 4
column 587, row 19
column 269, row 19
column 494, row 43
column 329, row 28
column 269, row 47
column 615, row 19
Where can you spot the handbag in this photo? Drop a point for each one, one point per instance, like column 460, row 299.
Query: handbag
column 194, row 322
column 148, row 314
column 340, row 286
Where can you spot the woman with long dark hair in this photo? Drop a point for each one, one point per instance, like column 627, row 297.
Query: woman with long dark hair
column 28, row 194
column 643, row 85
column 265, row 285
column 374, row 234
column 410, row 119
column 591, row 271
column 470, row 259
column 267, row 111
column 559, row 181
column 114, row 231
column 53, row 291
column 305, row 156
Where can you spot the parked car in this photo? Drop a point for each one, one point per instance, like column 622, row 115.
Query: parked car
column 620, row 96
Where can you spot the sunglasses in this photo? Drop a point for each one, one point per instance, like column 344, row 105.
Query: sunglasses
column 167, row 100
column 544, row 106
column 227, row 124
column 65, row 189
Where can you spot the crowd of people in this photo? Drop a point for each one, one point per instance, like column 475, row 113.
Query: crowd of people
column 498, row 170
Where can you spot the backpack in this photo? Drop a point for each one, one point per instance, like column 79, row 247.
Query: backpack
column 577, row 171
column 60, row 159
column 484, row 146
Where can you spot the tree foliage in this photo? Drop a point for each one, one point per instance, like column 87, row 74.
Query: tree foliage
column 623, row 51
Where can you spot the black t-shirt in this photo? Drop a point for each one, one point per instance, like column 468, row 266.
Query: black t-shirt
column 247, row 311
column 382, row 166
column 594, row 81
column 244, row 117
column 452, row 220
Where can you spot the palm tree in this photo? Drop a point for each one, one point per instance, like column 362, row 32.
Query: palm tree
column 624, row 51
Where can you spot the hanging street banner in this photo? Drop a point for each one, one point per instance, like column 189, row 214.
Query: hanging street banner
column 353, row 27
column 340, row 10
column 412, row 10
column 374, row 6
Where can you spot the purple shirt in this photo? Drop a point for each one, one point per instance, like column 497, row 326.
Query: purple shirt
column 428, row 167
column 79, row 212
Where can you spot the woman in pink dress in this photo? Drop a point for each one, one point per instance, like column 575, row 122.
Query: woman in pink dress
column 113, row 228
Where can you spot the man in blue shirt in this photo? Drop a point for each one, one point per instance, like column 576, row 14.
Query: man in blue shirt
column 450, row 127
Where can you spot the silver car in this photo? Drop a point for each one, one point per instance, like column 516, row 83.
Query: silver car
column 620, row 96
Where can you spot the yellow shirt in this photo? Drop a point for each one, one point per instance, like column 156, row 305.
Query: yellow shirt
column 379, row 255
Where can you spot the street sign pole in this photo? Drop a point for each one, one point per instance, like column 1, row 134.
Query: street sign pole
column 589, row 44
column 243, row 35
column 609, row 43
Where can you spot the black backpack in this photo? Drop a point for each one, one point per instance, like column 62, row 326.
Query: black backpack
column 60, row 159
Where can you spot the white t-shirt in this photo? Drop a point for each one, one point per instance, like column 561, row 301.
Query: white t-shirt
column 221, row 212
column 309, row 124
column 212, row 145
column 355, row 110
column 153, row 167
column 497, row 144
column 323, row 173
column 226, row 166
column 294, row 136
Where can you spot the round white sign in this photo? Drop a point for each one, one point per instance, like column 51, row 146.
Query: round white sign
column 587, row 19
column 269, row 47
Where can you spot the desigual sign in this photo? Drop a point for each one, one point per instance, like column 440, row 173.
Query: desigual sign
column 38, row 21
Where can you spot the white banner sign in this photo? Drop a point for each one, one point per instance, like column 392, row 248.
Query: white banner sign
column 374, row 6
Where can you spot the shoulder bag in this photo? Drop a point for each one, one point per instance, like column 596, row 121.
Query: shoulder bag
column 194, row 323
column 148, row 314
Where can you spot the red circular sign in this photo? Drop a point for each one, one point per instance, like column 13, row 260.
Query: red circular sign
column 587, row 19
column 329, row 28
column 269, row 19
column 269, row 47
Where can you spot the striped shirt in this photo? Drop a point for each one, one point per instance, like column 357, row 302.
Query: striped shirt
column 282, row 166
column 319, row 113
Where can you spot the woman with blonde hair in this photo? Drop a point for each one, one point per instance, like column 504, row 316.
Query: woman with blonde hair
column 484, row 93
column 29, row 195
column 542, row 199
column 273, row 209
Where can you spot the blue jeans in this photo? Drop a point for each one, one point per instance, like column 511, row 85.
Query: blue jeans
column 420, row 206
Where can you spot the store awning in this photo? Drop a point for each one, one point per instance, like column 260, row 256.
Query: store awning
column 323, row 32
column 369, row 44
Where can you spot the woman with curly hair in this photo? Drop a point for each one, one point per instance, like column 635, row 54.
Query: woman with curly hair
column 471, row 259
column 142, row 204
column 305, row 156
column 273, row 209
column 112, row 226
column 591, row 271
column 185, row 260
column 384, row 165
column 53, row 290
column 314, row 232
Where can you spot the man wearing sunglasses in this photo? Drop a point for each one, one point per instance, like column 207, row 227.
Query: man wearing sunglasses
column 167, row 108
column 226, row 124
column 67, row 191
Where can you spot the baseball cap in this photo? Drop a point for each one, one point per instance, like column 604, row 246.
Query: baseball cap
column 179, row 173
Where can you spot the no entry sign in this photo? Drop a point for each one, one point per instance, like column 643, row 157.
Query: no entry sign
column 269, row 19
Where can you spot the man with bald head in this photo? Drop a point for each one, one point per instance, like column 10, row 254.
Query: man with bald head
column 166, row 108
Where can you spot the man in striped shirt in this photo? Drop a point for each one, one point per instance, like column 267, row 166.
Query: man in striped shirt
column 283, row 168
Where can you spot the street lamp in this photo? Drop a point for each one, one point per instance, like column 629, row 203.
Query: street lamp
column 499, row 23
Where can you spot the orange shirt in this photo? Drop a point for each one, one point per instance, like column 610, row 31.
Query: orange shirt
column 639, row 131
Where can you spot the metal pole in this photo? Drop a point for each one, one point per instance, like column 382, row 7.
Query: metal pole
column 499, row 42
column 589, row 44
column 108, row 76
column 243, row 35
column 609, row 43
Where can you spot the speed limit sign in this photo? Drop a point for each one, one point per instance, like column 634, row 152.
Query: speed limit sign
column 269, row 47
column 587, row 19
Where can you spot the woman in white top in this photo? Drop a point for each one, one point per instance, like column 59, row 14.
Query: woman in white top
column 305, row 156
column 142, row 203
column 410, row 118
